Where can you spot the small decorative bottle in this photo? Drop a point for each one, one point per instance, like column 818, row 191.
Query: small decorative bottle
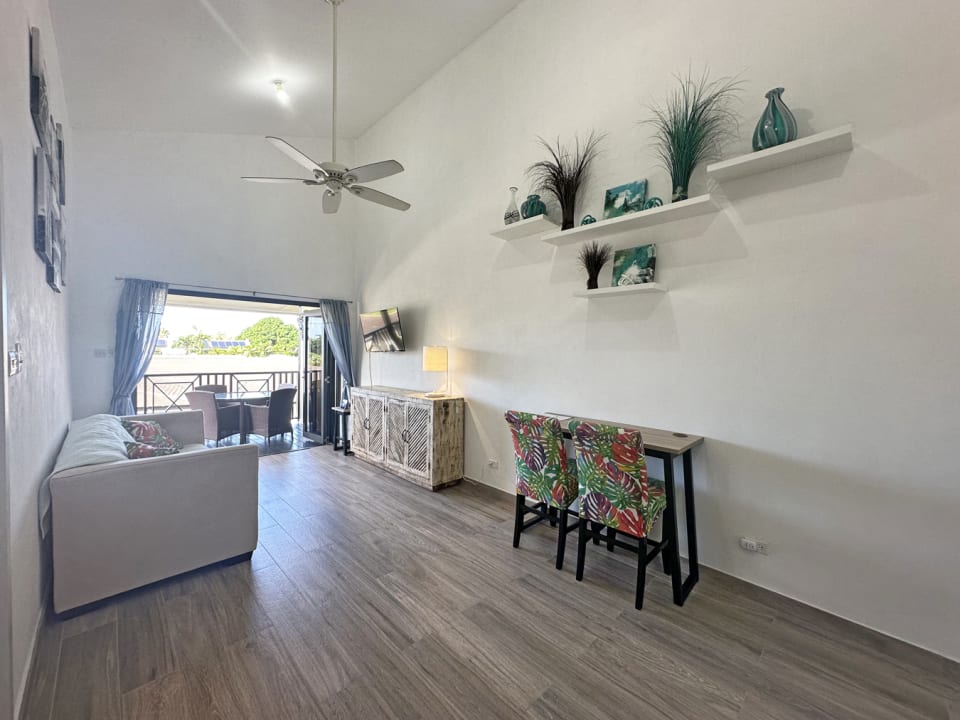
column 532, row 206
column 511, row 215
column 777, row 125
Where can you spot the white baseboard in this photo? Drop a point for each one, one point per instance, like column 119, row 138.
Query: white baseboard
column 815, row 606
column 25, row 672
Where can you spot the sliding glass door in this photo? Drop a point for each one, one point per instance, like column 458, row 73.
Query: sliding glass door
column 321, row 384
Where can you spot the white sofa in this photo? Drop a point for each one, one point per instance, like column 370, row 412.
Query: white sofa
column 120, row 525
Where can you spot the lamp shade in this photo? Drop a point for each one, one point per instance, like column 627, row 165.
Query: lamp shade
column 434, row 358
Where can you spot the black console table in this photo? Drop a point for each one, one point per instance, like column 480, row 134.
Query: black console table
column 340, row 439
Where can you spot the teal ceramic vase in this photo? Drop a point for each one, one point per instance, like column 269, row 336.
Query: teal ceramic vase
column 777, row 125
column 588, row 220
column 532, row 206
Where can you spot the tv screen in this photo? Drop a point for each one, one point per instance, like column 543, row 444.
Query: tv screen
column 381, row 330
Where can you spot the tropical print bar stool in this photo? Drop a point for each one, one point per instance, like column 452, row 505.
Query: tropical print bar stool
column 616, row 493
column 543, row 475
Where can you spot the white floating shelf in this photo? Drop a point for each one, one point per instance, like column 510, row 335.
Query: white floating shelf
column 700, row 205
column 525, row 228
column 799, row 151
column 621, row 290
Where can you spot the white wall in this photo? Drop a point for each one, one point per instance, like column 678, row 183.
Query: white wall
column 38, row 399
column 6, row 586
column 172, row 207
column 810, row 332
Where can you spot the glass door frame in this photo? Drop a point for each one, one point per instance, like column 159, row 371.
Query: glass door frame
column 323, row 426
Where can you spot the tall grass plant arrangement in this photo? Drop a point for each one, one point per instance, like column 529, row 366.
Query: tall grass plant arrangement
column 565, row 172
column 692, row 126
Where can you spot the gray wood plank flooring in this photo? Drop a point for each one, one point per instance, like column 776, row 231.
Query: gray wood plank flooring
column 371, row 598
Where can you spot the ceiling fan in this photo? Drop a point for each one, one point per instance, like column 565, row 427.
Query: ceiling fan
column 332, row 176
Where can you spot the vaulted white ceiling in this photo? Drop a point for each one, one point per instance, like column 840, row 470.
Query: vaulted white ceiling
column 206, row 65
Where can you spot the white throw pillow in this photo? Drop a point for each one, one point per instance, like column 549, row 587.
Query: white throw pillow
column 93, row 440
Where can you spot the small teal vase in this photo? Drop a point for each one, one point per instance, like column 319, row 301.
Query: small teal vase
column 588, row 220
column 532, row 206
column 777, row 125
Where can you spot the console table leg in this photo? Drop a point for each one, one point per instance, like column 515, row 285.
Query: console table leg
column 691, row 517
column 670, row 528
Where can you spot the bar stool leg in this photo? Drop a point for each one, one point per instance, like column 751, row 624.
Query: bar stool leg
column 641, row 572
column 518, row 520
column 562, row 538
column 581, row 547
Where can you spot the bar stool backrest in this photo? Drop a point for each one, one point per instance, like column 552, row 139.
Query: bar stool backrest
column 542, row 469
column 612, row 473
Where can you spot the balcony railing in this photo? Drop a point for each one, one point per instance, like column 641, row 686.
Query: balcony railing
column 167, row 392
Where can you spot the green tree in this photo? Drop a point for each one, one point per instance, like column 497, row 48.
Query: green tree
column 194, row 344
column 316, row 353
column 271, row 336
column 164, row 335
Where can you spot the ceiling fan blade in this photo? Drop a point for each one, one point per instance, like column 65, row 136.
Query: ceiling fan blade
column 375, row 171
column 331, row 201
column 291, row 152
column 378, row 197
column 280, row 180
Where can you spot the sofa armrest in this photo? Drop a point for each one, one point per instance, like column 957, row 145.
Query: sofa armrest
column 185, row 426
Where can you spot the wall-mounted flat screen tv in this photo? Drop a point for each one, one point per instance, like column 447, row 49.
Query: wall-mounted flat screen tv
column 381, row 330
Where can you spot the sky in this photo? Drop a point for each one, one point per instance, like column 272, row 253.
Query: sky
column 181, row 320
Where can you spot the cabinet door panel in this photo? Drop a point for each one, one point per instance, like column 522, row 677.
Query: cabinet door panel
column 396, row 432
column 359, row 428
column 375, row 427
column 419, row 427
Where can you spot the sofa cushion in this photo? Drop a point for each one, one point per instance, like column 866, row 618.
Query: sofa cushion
column 137, row 450
column 151, row 433
column 93, row 440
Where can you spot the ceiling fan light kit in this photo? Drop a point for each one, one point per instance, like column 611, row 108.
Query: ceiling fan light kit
column 335, row 177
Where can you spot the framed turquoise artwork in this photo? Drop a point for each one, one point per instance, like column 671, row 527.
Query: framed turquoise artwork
column 634, row 266
column 624, row 199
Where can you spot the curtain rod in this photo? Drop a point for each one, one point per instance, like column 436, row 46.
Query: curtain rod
column 252, row 293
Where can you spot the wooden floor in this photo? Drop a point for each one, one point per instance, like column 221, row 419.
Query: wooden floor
column 287, row 442
column 371, row 598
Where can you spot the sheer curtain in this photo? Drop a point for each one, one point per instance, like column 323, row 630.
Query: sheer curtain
column 336, row 325
column 138, row 327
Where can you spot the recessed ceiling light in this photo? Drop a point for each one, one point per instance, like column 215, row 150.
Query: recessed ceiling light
column 282, row 96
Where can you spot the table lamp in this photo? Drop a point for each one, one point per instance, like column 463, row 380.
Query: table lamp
column 435, row 360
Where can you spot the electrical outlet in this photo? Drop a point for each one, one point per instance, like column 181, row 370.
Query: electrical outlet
column 753, row 545
column 494, row 463
column 15, row 359
column 102, row 353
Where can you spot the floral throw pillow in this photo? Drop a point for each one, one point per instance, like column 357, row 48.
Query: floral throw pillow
column 137, row 450
column 151, row 433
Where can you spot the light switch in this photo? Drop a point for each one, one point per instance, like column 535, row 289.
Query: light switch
column 15, row 359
